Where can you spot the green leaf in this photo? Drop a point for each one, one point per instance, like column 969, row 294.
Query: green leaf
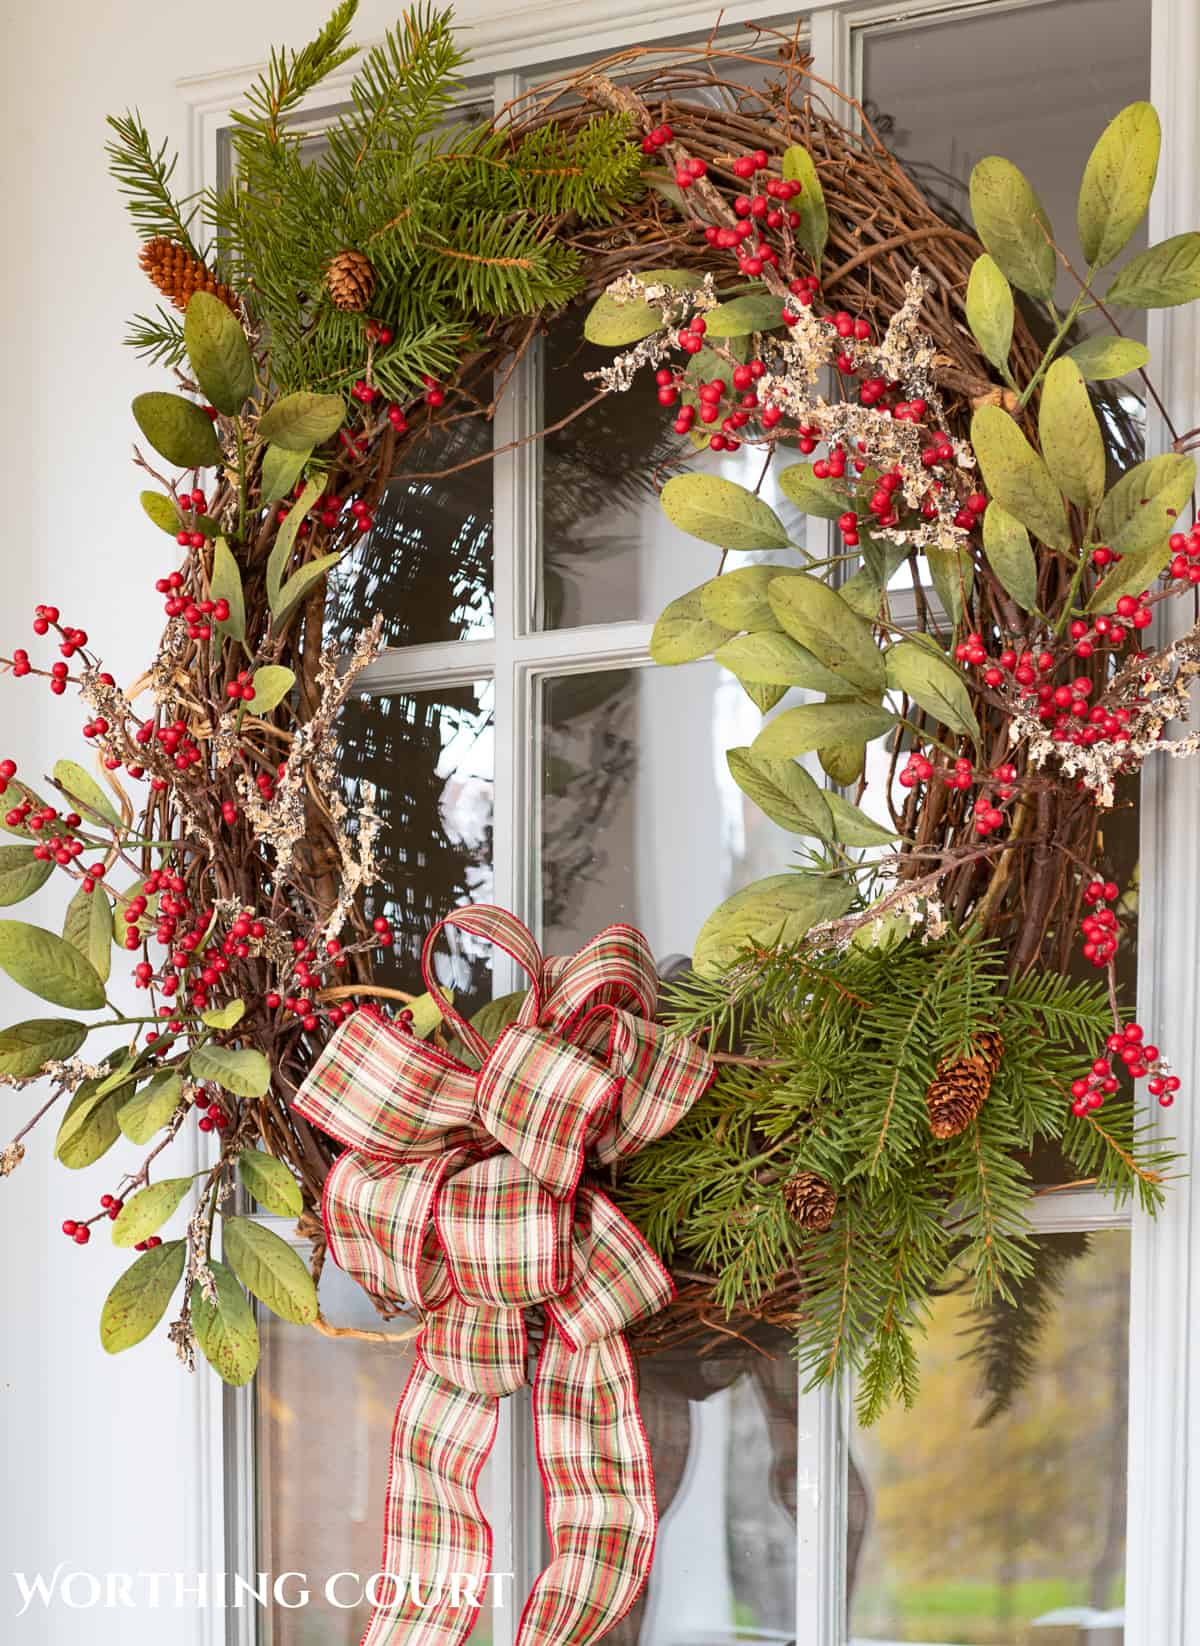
column 852, row 826
column 269, row 1268
column 722, row 512
column 1010, row 555
column 146, row 1211
column 817, row 616
column 427, row 1013
column 178, row 430
column 21, row 873
column 990, row 311
column 683, row 632
column 953, row 575
column 300, row 421
column 1160, row 277
column 281, row 469
column 743, row 315
column 813, row 229
column 243, row 1071
column 226, row 584
column 271, row 685
column 139, row 1299
column 285, row 537
column 271, row 1183
column 149, row 1109
column 819, row 726
column 121, row 1073
column 1017, row 477
column 818, row 497
column 226, row 1330
column 773, row 659
column 762, row 695
column 844, row 763
column 25, row 1047
column 931, row 680
column 218, row 352
column 295, row 589
column 225, row 1017
column 162, row 510
column 1012, row 223
column 779, row 909
column 87, row 925
column 88, row 1129
column 49, row 966
column 1135, row 572
column 784, row 791
column 738, row 599
column 1145, row 504
column 1117, row 182
column 1100, row 358
column 615, row 325
column 85, row 792
column 1070, row 436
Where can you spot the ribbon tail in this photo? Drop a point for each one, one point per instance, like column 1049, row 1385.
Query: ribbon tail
column 600, row 1510
column 437, row 1550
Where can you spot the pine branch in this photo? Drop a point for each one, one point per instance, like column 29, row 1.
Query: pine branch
column 144, row 175
column 157, row 337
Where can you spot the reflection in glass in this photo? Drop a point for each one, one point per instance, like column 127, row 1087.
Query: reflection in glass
column 994, row 1513
column 431, row 758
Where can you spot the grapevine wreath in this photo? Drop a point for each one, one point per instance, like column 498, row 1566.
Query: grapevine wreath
column 903, row 1023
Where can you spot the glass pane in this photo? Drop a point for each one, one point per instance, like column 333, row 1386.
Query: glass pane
column 640, row 818
column 609, row 554
column 430, row 756
column 978, row 1523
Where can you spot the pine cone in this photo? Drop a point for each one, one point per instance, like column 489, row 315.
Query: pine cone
column 810, row 1200
column 350, row 280
column 959, row 1089
column 178, row 274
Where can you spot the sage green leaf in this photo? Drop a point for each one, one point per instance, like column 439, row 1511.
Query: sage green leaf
column 243, row 1070
column 1145, row 504
column 777, row 910
column 25, row 1047
column 813, row 229
column 300, row 421
column 763, row 695
column 218, row 352
column 21, row 873
column 226, row 1329
column 162, row 510
column 863, row 593
column 800, row 486
column 146, row 1211
column 683, row 632
column 85, row 792
column 88, row 1128
column 1117, row 182
column 722, row 512
column 614, row 325
column 285, row 537
column 149, row 1109
column 427, row 1012
column 852, row 826
column 270, row 1269
column 225, row 1017
column 271, row 1183
column 819, row 726
column 48, row 966
column 1161, row 277
column 295, row 589
column 1018, row 478
column 784, row 791
column 281, row 469
column 738, row 599
column 226, row 584
column 743, row 315
column 121, row 1073
column 87, row 925
column 1100, row 358
column 1010, row 555
column 178, row 430
column 1013, row 225
column 990, row 310
column 139, row 1299
column 931, row 680
column 773, row 659
column 1135, row 572
column 1070, row 436
column 817, row 616
column 272, row 683
column 953, row 574
column 844, row 763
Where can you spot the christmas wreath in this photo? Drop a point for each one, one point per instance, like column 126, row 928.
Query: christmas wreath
column 899, row 1023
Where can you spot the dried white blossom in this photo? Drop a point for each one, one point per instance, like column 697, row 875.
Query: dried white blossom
column 11, row 1157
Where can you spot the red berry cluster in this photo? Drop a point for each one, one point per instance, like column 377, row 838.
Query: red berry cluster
column 241, row 687
column 1185, row 549
column 1064, row 708
column 1142, row 1062
column 689, row 172
column 213, row 1117
column 1100, row 927
column 378, row 333
column 656, row 139
column 195, row 613
column 174, row 740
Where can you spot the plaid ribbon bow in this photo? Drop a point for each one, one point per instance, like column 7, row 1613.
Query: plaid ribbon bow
column 460, row 1192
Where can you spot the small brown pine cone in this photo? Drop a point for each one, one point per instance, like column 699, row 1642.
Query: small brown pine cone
column 956, row 1094
column 178, row 274
column 810, row 1200
column 990, row 1046
column 350, row 280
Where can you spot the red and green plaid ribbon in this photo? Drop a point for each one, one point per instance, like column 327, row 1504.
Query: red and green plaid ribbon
column 460, row 1193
